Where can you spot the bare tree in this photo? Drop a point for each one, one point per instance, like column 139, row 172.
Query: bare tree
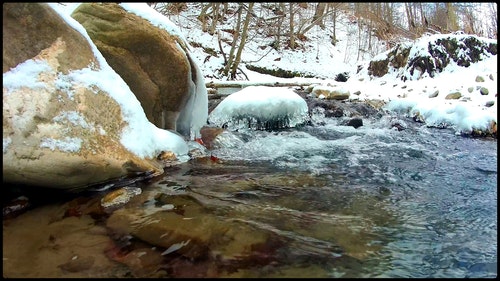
column 410, row 17
column 236, row 35
column 451, row 17
column 280, row 11
column 203, row 16
column 317, row 20
column 493, row 32
column 318, row 14
column 466, row 10
column 244, row 35
column 215, row 17
column 291, row 35
column 334, row 9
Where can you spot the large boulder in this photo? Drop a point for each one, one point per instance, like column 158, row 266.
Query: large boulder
column 62, row 126
column 153, row 62
column 31, row 28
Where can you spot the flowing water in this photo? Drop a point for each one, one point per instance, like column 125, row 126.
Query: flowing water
column 324, row 201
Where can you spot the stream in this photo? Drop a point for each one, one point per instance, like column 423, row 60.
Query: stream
column 316, row 201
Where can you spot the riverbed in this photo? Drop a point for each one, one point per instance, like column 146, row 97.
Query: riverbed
column 320, row 200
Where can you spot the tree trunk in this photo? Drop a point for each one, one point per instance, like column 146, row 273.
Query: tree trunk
column 239, row 84
column 452, row 22
column 236, row 36
column 291, row 33
column 423, row 20
column 493, row 32
column 277, row 42
column 334, row 27
column 203, row 17
column 318, row 14
column 313, row 23
column 243, row 40
column 389, row 14
column 215, row 17
column 409, row 16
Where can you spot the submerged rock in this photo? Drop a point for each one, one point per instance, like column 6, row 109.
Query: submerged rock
column 187, row 228
column 120, row 196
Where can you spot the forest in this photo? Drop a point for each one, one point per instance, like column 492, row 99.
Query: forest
column 289, row 23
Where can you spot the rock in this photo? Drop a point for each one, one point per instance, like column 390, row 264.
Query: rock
column 320, row 90
column 226, row 139
column 378, row 68
column 479, row 79
column 77, row 264
column 142, row 262
column 335, row 108
column 417, row 117
column 189, row 229
column 15, row 207
column 373, row 103
column 453, row 96
column 29, row 28
column 119, row 196
column 331, row 93
column 209, row 134
column 42, row 243
column 59, row 131
column 355, row 122
column 413, row 65
column 342, row 77
column 336, row 112
column 339, row 95
column 398, row 126
column 155, row 64
column 484, row 91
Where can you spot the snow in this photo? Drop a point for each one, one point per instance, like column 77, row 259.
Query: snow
column 75, row 118
column 255, row 105
column 321, row 59
column 67, row 145
column 25, row 73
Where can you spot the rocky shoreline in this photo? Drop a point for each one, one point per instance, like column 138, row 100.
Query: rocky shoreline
column 352, row 110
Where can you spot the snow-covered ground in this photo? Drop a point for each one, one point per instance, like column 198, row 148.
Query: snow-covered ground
column 324, row 60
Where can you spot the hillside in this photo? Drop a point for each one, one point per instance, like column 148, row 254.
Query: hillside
column 442, row 80
column 315, row 55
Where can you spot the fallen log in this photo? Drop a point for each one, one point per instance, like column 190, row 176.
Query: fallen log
column 242, row 84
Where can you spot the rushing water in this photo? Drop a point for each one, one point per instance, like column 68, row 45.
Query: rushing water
column 332, row 201
column 366, row 202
